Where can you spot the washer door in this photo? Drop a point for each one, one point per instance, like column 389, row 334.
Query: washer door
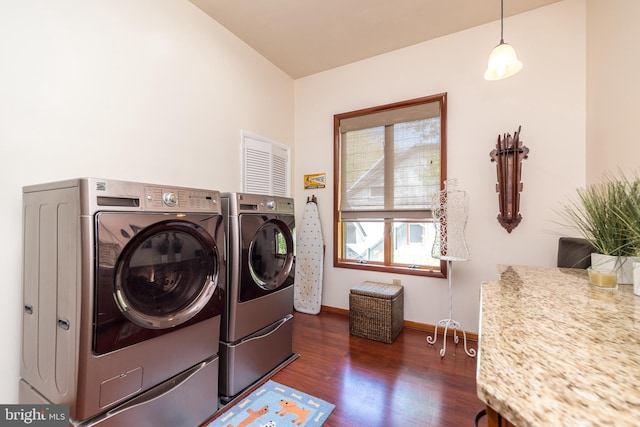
column 154, row 272
column 267, row 262
column 166, row 274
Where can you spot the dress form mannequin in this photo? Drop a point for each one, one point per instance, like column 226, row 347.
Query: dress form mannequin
column 451, row 209
column 450, row 219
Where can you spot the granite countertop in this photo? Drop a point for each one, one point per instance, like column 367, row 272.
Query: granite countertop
column 555, row 351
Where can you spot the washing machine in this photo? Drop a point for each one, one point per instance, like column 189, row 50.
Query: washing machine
column 123, row 287
column 257, row 322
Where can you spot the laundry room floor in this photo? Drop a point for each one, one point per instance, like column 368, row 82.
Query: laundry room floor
column 374, row 384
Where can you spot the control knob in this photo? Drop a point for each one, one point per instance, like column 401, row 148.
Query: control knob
column 271, row 204
column 170, row 198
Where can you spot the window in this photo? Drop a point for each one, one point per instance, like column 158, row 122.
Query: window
column 389, row 162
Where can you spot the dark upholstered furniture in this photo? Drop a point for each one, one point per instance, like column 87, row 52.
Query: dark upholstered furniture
column 574, row 252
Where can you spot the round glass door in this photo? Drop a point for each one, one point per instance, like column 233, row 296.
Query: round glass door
column 166, row 274
column 271, row 254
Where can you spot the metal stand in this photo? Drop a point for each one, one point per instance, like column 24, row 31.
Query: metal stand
column 450, row 323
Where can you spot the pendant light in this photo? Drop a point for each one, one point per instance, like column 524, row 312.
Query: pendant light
column 503, row 61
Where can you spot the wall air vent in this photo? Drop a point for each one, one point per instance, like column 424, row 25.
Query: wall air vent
column 265, row 166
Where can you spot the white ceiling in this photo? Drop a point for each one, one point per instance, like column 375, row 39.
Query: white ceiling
column 303, row 37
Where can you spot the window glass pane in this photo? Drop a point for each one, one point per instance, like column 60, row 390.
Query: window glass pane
column 364, row 241
column 416, row 234
column 412, row 244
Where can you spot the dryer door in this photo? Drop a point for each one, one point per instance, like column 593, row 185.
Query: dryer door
column 166, row 274
column 268, row 254
column 154, row 274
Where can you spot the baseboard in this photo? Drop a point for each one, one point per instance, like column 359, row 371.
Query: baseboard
column 407, row 323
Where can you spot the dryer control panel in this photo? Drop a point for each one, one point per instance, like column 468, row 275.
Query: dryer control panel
column 182, row 199
column 114, row 195
column 257, row 203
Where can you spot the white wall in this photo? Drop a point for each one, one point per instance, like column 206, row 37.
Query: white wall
column 143, row 90
column 547, row 98
column 613, row 67
column 154, row 90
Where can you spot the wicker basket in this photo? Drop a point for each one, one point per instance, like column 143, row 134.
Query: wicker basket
column 376, row 311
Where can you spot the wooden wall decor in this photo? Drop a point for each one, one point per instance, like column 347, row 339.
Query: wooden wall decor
column 508, row 155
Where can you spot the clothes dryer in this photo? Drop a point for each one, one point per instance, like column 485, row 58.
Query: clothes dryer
column 124, row 285
column 257, row 323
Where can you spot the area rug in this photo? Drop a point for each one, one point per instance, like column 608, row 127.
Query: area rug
column 273, row 404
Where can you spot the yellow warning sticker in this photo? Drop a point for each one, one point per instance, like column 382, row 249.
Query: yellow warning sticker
column 316, row 180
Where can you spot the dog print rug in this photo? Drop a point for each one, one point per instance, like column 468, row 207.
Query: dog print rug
column 272, row 405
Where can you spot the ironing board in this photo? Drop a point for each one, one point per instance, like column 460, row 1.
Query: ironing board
column 307, row 296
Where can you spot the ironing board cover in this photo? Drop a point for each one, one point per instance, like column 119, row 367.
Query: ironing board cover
column 309, row 259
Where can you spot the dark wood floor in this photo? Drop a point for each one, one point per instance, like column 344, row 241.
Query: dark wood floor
column 374, row 384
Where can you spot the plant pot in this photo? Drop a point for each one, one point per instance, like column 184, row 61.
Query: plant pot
column 622, row 265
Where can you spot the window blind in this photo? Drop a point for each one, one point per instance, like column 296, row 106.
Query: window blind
column 390, row 164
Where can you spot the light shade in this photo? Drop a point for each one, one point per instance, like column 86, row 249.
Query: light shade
column 503, row 62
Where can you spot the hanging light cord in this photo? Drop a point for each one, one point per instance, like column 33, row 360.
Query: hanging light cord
column 501, row 21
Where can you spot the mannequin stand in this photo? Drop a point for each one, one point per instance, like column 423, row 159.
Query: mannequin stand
column 450, row 323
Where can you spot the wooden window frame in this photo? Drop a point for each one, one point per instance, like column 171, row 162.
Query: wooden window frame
column 386, row 266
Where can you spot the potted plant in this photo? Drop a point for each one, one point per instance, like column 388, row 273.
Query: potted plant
column 630, row 217
column 607, row 215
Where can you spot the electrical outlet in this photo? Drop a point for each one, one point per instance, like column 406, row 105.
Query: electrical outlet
column 397, row 282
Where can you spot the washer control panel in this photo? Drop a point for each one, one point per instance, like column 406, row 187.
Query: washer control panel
column 255, row 203
column 181, row 199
